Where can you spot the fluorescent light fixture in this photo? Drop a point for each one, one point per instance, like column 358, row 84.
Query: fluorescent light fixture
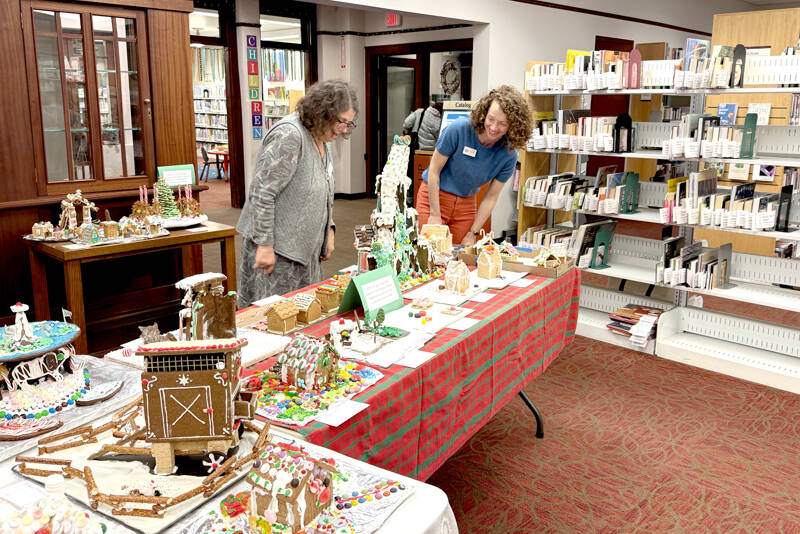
column 280, row 22
column 196, row 45
column 205, row 13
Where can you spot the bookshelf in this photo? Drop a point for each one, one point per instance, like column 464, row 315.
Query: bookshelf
column 210, row 106
column 284, row 82
column 745, row 347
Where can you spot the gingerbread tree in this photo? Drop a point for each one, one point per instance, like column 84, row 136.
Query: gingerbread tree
column 166, row 200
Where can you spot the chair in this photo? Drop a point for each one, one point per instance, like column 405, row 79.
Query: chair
column 206, row 163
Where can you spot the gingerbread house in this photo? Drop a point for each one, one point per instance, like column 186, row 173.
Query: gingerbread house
column 42, row 229
column 88, row 233
column 309, row 308
column 291, row 485
column 489, row 262
column 208, row 311
column 439, row 235
column 110, row 229
column 308, row 363
column 508, row 251
column 329, row 296
column 282, row 317
column 456, row 277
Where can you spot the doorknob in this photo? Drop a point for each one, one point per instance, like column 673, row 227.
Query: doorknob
column 149, row 108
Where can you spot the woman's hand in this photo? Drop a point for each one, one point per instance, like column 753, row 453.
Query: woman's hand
column 329, row 245
column 469, row 239
column 265, row 258
column 434, row 219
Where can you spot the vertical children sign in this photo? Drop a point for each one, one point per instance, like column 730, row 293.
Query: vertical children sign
column 253, row 84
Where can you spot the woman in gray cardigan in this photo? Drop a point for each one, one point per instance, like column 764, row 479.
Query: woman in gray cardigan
column 287, row 220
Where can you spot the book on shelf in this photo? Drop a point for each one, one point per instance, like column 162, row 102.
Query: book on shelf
column 762, row 110
column 583, row 238
column 764, row 173
column 568, row 120
column 727, row 114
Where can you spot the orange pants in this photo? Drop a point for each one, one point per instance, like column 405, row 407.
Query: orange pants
column 457, row 212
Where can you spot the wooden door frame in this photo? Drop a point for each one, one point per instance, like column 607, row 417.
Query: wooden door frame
column 371, row 54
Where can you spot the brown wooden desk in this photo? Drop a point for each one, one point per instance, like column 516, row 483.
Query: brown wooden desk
column 73, row 258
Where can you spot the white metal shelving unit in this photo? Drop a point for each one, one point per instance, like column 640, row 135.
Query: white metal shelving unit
column 745, row 348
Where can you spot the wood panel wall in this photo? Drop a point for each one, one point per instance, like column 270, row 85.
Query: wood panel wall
column 171, row 87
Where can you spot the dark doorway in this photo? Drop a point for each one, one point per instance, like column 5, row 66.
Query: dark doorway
column 399, row 80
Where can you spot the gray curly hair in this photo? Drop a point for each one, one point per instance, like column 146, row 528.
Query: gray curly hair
column 319, row 109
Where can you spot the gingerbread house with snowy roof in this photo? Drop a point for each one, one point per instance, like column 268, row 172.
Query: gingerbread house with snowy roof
column 309, row 308
column 308, row 362
column 489, row 262
column 456, row 277
column 290, row 485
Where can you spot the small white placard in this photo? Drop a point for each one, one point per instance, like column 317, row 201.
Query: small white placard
column 379, row 293
column 483, row 297
column 464, row 324
column 415, row 359
column 178, row 177
column 341, row 412
column 525, row 282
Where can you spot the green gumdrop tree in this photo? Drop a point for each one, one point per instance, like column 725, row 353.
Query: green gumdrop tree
column 167, row 201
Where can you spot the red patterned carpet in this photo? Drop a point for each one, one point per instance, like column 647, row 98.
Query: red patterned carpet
column 633, row 443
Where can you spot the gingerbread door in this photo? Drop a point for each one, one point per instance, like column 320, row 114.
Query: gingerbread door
column 186, row 412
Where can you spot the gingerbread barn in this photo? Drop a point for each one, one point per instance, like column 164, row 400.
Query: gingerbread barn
column 190, row 391
column 289, row 483
column 308, row 306
column 489, row 262
column 282, row 317
column 456, row 277
column 308, row 363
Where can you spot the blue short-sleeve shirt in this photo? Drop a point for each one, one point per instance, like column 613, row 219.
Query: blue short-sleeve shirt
column 463, row 174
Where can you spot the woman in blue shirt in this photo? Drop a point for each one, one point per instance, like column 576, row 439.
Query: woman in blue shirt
column 469, row 154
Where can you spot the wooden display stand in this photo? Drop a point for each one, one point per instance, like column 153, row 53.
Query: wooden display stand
column 73, row 259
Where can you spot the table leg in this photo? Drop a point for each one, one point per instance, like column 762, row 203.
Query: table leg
column 227, row 250
column 532, row 407
column 41, row 296
column 73, row 284
column 216, row 161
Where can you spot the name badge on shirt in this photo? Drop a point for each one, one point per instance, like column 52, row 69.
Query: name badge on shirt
column 469, row 151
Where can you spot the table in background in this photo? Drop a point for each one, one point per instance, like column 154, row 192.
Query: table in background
column 73, row 258
column 418, row 418
column 225, row 164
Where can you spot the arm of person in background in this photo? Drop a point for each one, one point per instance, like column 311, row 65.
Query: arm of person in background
column 277, row 162
column 438, row 162
column 490, row 199
column 484, row 211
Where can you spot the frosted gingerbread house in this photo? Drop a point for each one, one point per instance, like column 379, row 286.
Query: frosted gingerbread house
column 489, row 262
column 438, row 235
column 42, row 229
column 290, row 486
column 456, row 277
column 308, row 363
column 309, row 308
column 282, row 317
column 209, row 312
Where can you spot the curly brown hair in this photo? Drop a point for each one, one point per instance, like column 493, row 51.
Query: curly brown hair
column 319, row 109
column 513, row 104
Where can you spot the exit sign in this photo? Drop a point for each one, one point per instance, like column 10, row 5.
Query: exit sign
column 393, row 19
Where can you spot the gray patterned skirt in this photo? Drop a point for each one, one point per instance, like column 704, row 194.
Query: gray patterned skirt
column 287, row 276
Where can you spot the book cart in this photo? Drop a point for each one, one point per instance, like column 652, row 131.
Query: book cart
column 747, row 348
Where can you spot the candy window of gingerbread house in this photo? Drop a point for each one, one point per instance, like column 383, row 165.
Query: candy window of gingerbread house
column 164, row 363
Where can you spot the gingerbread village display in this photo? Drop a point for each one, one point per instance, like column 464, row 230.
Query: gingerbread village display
column 148, row 219
column 393, row 238
column 40, row 375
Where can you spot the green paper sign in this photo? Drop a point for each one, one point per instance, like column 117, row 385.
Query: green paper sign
column 374, row 291
column 177, row 175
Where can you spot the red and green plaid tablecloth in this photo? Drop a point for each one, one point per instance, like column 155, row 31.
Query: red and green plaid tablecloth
column 418, row 418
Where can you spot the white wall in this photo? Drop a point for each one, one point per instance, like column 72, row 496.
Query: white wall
column 507, row 34
column 247, row 11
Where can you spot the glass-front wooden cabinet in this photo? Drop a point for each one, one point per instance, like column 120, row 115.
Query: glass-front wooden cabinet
column 87, row 77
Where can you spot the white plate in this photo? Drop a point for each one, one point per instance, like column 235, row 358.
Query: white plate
column 185, row 222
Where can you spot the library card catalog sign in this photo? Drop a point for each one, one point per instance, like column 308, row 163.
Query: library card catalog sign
column 374, row 290
column 176, row 175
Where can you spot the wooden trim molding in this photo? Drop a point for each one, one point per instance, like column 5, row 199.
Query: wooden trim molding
column 56, row 199
column 616, row 16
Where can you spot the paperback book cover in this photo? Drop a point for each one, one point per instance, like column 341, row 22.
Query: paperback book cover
column 695, row 49
column 727, row 114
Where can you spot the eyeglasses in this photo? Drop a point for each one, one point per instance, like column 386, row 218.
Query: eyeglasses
column 348, row 125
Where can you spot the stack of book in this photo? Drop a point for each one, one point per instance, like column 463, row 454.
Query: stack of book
column 636, row 322
column 582, row 242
